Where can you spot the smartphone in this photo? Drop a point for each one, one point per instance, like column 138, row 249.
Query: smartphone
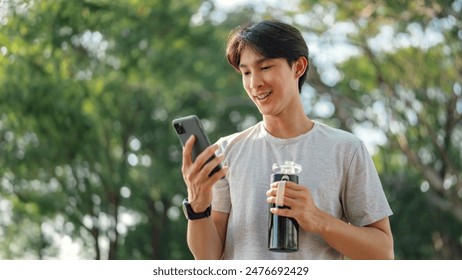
column 191, row 125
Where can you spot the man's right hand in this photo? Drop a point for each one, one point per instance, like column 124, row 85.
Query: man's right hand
column 196, row 174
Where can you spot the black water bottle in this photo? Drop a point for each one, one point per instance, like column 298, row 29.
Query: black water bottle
column 283, row 231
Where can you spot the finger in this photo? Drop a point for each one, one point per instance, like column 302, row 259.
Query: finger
column 211, row 165
column 205, row 155
column 281, row 212
column 271, row 199
column 289, row 202
column 292, row 189
column 187, row 150
column 277, row 195
column 274, row 187
column 296, row 191
column 219, row 174
column 289, row 184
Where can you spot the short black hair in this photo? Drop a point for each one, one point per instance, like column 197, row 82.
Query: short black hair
column 270, row 38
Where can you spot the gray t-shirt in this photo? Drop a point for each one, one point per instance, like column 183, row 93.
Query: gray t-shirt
column 336, row 167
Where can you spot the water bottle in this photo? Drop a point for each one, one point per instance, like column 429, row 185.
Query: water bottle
column 283, row 231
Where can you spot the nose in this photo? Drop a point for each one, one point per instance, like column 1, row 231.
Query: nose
column 256, row 81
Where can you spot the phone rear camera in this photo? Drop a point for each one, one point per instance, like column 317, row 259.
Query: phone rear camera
column 179, row 128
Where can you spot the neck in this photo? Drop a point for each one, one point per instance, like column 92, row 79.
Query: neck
column 288, row 125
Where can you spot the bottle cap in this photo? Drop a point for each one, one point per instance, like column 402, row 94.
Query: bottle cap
column 288, row 167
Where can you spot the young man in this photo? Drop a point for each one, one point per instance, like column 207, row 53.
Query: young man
column 339, row 203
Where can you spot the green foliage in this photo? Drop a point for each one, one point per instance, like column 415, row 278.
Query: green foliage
column 89, row 91
column 406, row 85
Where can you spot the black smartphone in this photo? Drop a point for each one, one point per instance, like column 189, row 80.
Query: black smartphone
column 191, row 125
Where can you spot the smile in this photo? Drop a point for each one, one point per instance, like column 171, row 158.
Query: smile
column 263, row 95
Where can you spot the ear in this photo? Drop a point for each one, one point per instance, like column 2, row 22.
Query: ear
column 300, row 66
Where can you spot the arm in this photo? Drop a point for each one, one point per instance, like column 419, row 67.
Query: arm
column 374, row 241
column 205, row 236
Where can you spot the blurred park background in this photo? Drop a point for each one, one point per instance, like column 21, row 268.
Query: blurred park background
column 89, row 162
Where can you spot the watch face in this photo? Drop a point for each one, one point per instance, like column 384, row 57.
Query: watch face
column 185, row 210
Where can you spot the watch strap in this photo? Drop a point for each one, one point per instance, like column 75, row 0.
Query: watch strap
column 191, row 215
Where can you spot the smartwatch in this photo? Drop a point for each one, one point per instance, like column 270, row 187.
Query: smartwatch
column 191, row 215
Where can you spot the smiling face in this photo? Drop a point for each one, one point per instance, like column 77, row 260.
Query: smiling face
column 271, row 39
column 271, row 83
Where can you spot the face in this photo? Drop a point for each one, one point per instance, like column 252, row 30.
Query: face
column 270, row 83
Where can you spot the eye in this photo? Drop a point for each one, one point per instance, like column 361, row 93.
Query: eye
column 266, row 67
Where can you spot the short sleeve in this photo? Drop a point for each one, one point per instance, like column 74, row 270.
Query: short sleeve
column 221, row 201
column 364, row 200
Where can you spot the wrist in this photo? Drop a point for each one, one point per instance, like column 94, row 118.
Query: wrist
column 321, row 222
column 195, row 214
column 198, row 206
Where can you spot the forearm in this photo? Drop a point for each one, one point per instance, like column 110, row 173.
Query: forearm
column 369, row 242
column 204, row 240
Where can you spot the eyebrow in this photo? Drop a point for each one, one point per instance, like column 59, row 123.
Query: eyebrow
column 259, row 61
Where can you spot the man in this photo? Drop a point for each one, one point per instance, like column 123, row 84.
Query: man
column 339, row 203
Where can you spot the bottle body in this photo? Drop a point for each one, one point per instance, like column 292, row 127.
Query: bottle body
column 282, row 231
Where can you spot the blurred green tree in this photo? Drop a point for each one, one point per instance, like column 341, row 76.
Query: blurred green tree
column 397, row 78
column 89, row 89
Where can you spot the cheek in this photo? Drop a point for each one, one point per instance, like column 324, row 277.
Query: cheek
column 245, row 84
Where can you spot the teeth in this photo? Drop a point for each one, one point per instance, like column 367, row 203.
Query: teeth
column 263, row 96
